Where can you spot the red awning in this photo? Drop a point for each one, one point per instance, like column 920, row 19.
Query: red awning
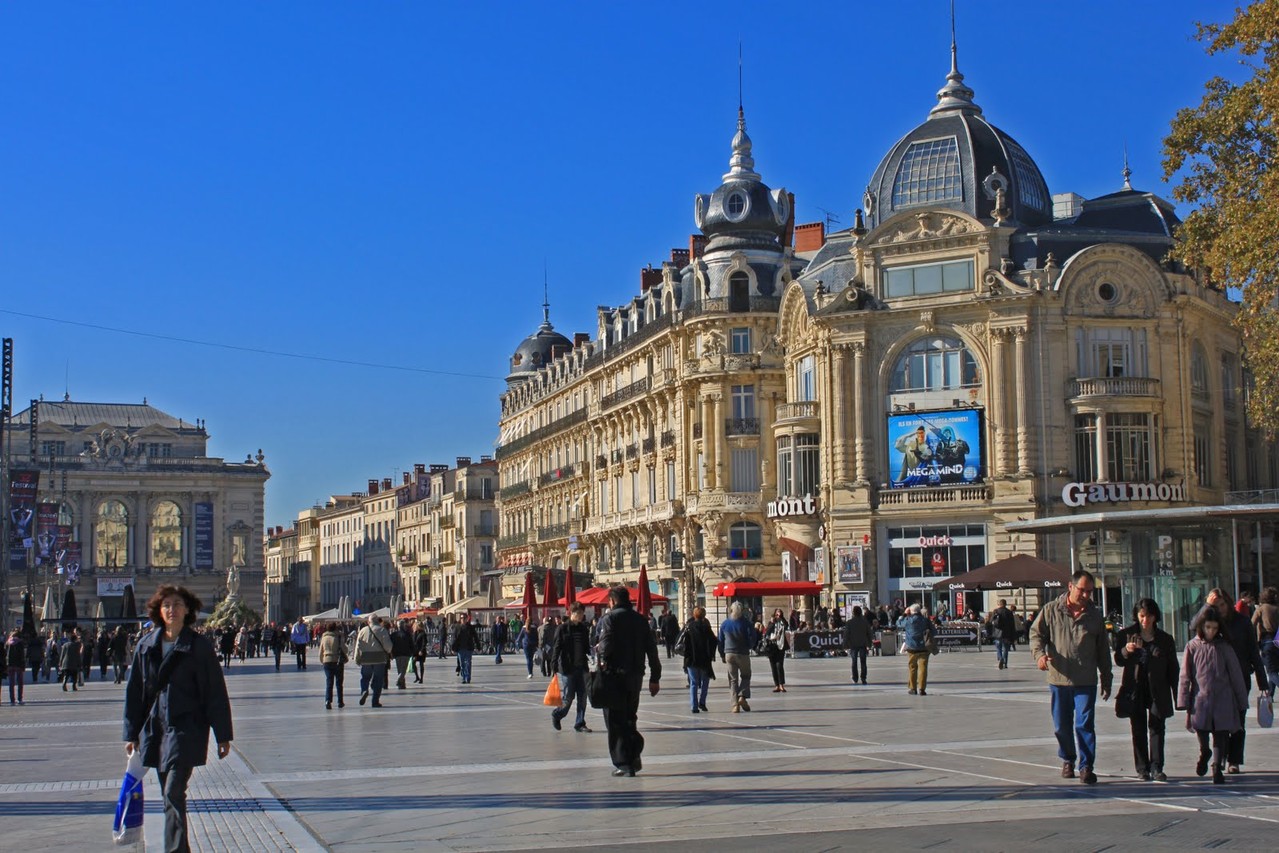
column 750, row 588
column 802, row 552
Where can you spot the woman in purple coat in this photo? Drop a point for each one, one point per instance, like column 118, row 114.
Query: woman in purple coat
column 1212, row 692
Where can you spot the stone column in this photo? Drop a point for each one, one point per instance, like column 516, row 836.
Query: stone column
column 861, row 387
column 1102, row 474
column 708, row 442
column 1020, row 373
column 839, row 438
column 999, row 397
column 721, row 444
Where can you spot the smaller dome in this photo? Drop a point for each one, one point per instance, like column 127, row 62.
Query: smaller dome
column 536, row 351
column 742, row 209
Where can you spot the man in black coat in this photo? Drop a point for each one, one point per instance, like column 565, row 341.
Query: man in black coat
column 626, row 642
column 670, row 632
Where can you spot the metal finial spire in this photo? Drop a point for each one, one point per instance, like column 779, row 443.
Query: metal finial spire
column 954, row 96
column 546, row 299
column 1127, row 172
column 741, row 166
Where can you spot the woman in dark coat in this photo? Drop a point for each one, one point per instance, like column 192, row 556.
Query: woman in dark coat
column 1150, row 674
column 175, row 694
column 700, row 646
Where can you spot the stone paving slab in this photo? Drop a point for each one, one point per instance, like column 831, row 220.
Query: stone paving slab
column 477, row 767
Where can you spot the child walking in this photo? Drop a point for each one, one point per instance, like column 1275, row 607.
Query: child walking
column 1212, row 692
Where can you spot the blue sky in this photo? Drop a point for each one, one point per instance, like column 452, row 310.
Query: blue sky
column 384, row 182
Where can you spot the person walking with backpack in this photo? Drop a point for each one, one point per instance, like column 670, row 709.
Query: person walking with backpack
column 570, row 658
column 333, row 659
column 300, row 636
column 465, row 642
column 916, row 633
column 699, row 658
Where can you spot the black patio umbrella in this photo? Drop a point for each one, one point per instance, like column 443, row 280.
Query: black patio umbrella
column 69, row 613
column 130, row 603
column 29, row 630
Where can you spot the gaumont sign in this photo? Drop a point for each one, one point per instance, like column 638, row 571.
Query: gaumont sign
column 783, row 507
column 1079, row 494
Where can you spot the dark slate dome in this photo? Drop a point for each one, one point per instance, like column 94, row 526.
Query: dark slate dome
column 743, row 211
column 537, row 350
column 956, row 159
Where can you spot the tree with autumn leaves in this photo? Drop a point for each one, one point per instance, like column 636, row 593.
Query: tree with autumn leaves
column 1223, row 152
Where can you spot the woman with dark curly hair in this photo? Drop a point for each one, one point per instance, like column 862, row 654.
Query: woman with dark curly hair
column 1148, row 656
column 175, row 694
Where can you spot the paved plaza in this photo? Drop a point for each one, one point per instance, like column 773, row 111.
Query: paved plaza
column 825, row 766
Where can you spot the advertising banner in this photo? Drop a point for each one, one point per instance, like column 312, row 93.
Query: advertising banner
column 71, row 563
column 817, row 641
column 935, row 448
column 22, row 512
column 46, row 533
column 848, row 561
column 112, row 586
column 203, row 551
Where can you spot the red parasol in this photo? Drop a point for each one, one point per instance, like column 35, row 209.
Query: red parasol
column 645, row 596
column 548, row 592
column 570, row 594
column 530, row 599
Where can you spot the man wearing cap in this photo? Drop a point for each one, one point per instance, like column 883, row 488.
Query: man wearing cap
column 625, row 643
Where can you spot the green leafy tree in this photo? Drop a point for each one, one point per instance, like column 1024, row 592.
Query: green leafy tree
column 1223, row 152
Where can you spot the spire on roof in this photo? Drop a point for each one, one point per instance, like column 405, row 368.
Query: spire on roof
column 1127, row 173
column 954, row 96
column 546, row 299
column 741, row 166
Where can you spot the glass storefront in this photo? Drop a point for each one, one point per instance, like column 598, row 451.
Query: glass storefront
column 920, row 556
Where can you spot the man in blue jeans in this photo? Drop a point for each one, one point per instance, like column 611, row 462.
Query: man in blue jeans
column 1003, row 630
column 1070, row 643
column 569, row 660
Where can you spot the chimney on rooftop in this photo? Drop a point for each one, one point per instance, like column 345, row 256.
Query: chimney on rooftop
column 696, row 245
column 649, row 278
column 372, row 487
column 463, row 461
column 810, row 236
column 386, row 483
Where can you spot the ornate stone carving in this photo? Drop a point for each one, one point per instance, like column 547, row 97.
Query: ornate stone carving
column 927, row 321
column 930, row 226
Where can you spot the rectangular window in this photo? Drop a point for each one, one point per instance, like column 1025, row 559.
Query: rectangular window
column 1232, row 460
column 635, row 493
column 1128, row 447
column 806, row 380
column 743, row 401
column 785, row 466
column 617, row 493
column 701, row 471
column 652, row 486
column 1112, row 352
column 603, row 498
column 928, row 279
column 740, row 341
column 670, row 480
column 1229, row 381
column 1203, row 453
column 745, row 470
column 807, row 465
column 53, row 448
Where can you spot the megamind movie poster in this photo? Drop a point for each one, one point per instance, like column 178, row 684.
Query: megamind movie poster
column 935, row 448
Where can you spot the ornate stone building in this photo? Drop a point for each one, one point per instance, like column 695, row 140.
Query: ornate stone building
column 967, row 358
column 649, row 445
column 141, row 502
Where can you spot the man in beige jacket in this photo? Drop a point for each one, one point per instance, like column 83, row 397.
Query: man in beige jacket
column 1070, row 643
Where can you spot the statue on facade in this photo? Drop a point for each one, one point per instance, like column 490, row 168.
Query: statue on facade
column 233, row 583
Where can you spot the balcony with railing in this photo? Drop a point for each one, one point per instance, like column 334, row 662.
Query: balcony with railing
column 615, row 457
column 475, row 493
column 564, row 472
column 447, row 558
column 756, row 553
column 697, row 430
column 533, row 436
column 805, row 410
column 621, row 395
column 447, row 523
column 552, row 531
column 601, row 461
column 741, row 426
column 483, row 529
column 1114, row 386
column 668, row 438
column 936, row 495
column 732, row 305
column 515, row 540
column 648, row 445
column 514, row 490
column 632, row 451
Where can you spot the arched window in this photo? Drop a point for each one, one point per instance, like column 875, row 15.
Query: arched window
column 745, row 541
column 166, row 535
column 934, row 364
column 1198, row 370
column 111, row 535
column 739, row 292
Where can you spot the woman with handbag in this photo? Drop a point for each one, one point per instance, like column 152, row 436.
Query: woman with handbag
column 1148, row 656
column 775, row 648
column 174, row 696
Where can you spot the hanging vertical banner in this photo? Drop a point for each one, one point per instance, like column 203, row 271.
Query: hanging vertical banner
column 203, row 536
column 71, row 563
column 60, row 546
column 46, row 532
column 22, row 511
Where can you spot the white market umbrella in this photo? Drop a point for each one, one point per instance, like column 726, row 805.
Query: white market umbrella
column 50, row 609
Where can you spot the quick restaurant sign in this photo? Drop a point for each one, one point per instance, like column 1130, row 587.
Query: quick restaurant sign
column 1080, row 494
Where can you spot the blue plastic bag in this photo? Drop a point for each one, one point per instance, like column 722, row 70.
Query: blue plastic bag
column 127, row 828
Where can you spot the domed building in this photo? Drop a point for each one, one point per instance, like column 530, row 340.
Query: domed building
column 537, row 350
column 977, row 362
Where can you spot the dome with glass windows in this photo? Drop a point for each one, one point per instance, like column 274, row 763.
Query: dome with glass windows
column 958, row 160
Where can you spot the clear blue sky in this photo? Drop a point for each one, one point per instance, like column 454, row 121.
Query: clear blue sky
column 383, row 182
